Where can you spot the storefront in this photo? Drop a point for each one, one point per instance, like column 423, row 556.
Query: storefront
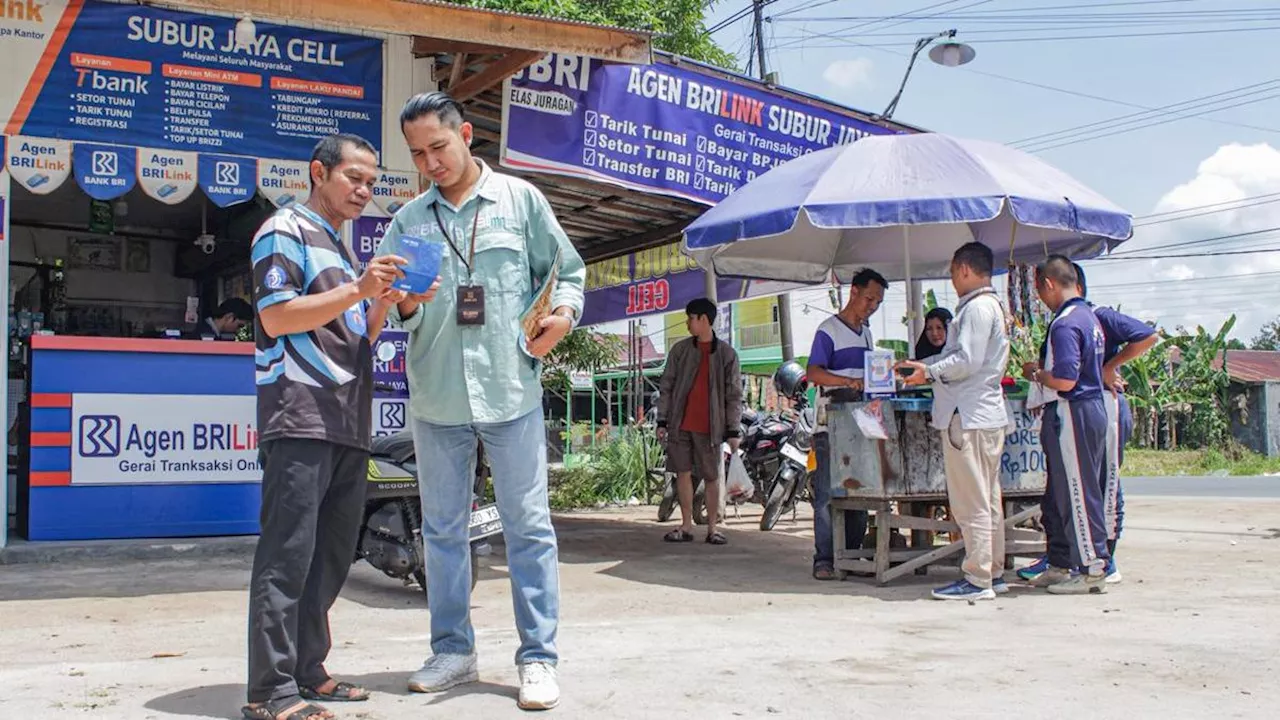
column 143, row 148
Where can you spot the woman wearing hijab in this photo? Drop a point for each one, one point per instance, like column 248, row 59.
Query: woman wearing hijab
column 935, row 333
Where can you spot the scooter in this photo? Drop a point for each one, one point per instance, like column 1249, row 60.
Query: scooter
column 391, row 536
column 797, row 463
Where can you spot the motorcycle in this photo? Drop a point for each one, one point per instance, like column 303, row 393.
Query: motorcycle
column 391, row 535
column 793, row 479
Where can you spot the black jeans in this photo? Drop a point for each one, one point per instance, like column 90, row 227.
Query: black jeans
column 312, row 506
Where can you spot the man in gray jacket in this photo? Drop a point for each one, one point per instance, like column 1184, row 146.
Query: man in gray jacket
column 969, row 411
column 699, row 407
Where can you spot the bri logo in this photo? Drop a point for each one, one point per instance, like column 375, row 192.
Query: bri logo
column 392, row 416
column 99, row 436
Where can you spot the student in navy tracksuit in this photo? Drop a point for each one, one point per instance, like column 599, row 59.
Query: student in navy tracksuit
column 1074, row 434
column 1126, row 339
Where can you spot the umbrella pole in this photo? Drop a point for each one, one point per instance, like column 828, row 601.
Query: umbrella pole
column 914, row 295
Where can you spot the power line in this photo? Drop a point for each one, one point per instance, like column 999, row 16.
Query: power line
column 1086, row 137
column 1171, row 246
column 1216, row 253
column 1069, row 38
column 1041, row 86
column 1252, row 201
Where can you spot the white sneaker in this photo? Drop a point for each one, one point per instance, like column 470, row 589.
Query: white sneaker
column 442, row 672
column 539, row 688
column 1052, row 576
column 1081, row 584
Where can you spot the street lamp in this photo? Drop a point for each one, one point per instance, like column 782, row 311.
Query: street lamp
column 950, row 54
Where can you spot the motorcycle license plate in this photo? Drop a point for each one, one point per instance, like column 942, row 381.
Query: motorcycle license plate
column 793, row 453
column 485, row 522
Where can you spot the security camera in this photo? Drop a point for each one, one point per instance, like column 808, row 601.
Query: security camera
column 207, row 243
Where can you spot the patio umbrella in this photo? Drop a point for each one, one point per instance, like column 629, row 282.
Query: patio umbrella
column 901, row 204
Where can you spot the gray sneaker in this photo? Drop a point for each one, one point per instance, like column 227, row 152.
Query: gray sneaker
column 1081, row 584
column 1051, row 577
column 442, row 672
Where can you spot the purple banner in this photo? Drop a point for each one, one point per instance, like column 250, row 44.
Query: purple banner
column 659, row 280
column 388, row 375
column 659, row 128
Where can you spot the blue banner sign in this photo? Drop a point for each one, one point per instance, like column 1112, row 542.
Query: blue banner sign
column 227, row 179
column 659, row 127
column 105, row 172
column 143, row 76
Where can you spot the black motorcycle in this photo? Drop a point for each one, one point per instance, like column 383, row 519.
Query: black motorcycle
column 791, row 482
column 391, row 537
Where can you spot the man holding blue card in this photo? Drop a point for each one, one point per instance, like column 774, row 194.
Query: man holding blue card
column 491, row 243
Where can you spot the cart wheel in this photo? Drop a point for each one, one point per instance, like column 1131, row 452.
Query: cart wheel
column 842, row 575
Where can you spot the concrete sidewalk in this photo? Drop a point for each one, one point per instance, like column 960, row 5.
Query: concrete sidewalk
column 652, row 630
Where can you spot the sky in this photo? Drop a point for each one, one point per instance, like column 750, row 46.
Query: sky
column 1032, row 87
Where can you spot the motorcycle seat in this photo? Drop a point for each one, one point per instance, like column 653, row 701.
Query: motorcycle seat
column 397, row 447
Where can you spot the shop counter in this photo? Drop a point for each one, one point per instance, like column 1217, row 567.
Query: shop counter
column 908, row 465
column 154, row 438
column 902, row 483
column 141, row 438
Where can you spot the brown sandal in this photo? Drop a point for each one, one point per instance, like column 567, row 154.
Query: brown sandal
column 272, row 709
column 342, row 692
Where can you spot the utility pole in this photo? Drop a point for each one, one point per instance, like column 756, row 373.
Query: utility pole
column 784, row 300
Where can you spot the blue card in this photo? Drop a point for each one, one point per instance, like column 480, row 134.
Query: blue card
column 423, row 265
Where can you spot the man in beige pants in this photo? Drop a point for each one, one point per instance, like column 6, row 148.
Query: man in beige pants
column 969, row 411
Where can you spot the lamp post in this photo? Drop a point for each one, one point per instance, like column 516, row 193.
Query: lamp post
column 950, row 54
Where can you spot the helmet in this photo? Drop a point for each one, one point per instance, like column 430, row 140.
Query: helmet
column 790, row 381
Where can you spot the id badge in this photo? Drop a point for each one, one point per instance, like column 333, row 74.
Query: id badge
column 470, row 305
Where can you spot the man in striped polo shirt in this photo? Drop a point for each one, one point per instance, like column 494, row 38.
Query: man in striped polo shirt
column 836, row 362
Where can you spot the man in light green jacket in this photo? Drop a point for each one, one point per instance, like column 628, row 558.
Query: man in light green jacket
column 472, row 376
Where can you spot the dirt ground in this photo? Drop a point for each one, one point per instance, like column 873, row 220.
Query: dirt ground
column 651, row 630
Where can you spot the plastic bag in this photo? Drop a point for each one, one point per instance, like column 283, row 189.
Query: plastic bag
column 737, row 481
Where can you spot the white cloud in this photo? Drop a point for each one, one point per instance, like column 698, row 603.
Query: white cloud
column 1205, row 290
column 849, row 74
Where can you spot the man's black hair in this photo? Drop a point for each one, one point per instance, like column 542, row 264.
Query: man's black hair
column 701, row 306
column 440, row 104
column 1084, row 286
column 235, row 306
column 975, row 256
column 1059, row 269
column 866, row 276
column 329, row 150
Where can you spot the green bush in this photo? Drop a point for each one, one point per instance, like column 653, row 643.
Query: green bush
column 617, row 472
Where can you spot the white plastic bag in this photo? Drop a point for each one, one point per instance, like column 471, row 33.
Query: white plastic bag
column 737, row 481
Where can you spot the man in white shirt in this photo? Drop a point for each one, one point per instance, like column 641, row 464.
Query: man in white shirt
column 969, row 411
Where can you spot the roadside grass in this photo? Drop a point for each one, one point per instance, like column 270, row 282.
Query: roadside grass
column 1161, row 463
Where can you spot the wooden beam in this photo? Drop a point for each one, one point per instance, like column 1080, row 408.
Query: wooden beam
column 446, row 22
column 500, row 70
column 641, row 241
column 458, row 68
column 436, row 46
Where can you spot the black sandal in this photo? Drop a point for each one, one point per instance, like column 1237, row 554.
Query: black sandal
column 342, row 692
column 271, row 709
column 717, row 538
column 678, row 536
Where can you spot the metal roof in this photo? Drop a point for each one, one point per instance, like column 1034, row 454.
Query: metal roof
column 531, row 16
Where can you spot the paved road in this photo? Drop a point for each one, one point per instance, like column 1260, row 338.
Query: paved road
column 1222, row 487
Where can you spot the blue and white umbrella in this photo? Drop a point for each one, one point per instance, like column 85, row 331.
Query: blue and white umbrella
column 901, row 204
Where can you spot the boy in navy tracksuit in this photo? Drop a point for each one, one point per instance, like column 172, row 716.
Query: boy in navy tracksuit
column 1126, row 338
column 1074, row 435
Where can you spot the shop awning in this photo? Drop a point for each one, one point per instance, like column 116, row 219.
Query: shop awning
column 106, row 172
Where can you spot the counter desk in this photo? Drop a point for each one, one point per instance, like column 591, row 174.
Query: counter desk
column 901, row 482
column 134, row 438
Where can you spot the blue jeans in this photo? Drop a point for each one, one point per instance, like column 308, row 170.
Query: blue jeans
column 855, row 521
column 517, row 453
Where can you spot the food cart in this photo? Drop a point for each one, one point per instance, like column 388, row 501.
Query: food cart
column 900, row 482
